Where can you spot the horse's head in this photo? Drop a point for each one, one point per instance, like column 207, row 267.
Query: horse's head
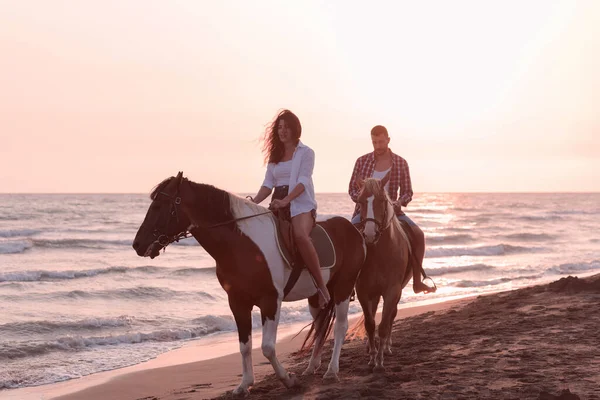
column 165, row 222
column 376, row 209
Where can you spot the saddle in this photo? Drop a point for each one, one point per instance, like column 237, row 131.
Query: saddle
column 291, row 255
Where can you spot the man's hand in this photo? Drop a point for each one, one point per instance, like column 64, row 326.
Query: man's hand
column 397, row 207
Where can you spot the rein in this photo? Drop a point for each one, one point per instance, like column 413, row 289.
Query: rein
column 165, row 240
column 238, row 219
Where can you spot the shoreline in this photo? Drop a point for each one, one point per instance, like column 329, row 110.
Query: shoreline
column 218, row 348
column 211, row 367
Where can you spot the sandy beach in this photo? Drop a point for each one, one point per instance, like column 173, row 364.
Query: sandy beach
column 539, row 342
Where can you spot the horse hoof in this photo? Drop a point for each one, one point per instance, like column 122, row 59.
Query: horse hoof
column 331, row 376
column 379, row 369
column 310, row 370
column 291, row 381
column 241, row 392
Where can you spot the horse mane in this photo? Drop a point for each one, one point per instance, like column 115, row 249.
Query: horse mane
column 240, row 206
column 373, row 185
column 158, row 188
column 209, row 197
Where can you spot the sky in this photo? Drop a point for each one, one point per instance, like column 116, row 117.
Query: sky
column 112, row 96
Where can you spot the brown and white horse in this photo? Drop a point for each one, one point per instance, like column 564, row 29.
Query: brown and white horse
column 386, row 270
column 241, row 237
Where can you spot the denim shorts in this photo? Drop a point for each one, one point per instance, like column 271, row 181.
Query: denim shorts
column 402, row 217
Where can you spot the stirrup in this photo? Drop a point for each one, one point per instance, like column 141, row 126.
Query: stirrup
column 434, row 285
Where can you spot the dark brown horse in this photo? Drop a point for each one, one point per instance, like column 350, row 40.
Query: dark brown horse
column 386, row 270
column 241, row 237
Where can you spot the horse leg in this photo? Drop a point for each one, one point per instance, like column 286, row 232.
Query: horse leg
column 374, row 305
column 270, row 322
column 368, row 306
column 390, row 309
column 315, row 358
column 388, row 346
column 242, row 312
column 340, row 329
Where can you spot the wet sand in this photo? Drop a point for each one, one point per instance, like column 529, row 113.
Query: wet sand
column 541, row 342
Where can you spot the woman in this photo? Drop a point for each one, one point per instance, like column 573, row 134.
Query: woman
column 290, row 166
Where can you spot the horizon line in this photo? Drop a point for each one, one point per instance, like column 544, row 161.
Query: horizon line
column 242, row 192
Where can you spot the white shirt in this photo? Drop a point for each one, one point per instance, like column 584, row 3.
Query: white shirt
column 303, row 163
column 282, row 172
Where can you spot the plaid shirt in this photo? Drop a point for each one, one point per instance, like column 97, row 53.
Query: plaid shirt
column 399, row 178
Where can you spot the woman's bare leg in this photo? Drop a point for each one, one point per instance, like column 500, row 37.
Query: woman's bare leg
column 303, row 224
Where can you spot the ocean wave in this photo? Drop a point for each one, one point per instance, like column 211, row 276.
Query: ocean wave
column 147, row 269
column 572, row 268
column 194, row 271
column 491, row 282
column 10, row 233
column 450, row 239
column 494, row 250
column 196, row 328
column 455, row 270
column 33, row 276
column 576, row 212
column 139, row 293
column 39, row 327
column 530, row 237
column 134, row 293
column 538, row 218
column 478, row 219
column 79, row 243
column 426, row 211
column 465, row 209
column 11, row 246
column 75, row 343
column 39, row 275
column 16, row 217
column 11, row 285
column 456, row 229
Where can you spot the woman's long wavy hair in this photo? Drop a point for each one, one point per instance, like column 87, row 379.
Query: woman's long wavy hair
column 273, row 147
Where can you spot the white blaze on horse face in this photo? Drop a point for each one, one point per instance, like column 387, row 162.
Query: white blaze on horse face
column 370, row 230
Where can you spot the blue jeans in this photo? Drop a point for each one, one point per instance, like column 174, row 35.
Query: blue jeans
column 402, row 217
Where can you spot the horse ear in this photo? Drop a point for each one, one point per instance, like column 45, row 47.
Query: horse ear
column 385, row 179
column 179, row 177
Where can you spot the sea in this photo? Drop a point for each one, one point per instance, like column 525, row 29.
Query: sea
column 75, row 298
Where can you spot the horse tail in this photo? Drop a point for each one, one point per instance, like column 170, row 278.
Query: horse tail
column 324, row 320
column 357, row 331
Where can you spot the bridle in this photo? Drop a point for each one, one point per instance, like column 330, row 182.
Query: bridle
column 379, row 224
column 163, row 239
column 175, row 201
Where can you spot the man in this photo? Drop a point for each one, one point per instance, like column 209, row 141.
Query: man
column 376, row 165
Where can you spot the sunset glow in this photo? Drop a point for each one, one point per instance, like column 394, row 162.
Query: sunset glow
column 477, row 96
